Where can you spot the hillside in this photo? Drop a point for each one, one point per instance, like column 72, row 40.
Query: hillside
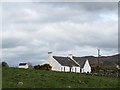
column 105, row 61
column 31, row 78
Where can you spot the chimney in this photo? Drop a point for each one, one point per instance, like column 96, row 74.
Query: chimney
column 49, row 53
column 70, row 56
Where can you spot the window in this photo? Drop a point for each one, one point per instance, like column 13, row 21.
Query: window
column 64, row 68
column 75, row 69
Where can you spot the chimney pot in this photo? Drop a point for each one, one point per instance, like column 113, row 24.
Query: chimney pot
column 70, row 55
column 49, row 52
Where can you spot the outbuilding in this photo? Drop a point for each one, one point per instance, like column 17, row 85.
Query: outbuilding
column 23, row 65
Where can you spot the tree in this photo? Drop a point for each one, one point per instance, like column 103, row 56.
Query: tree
column 4, row 64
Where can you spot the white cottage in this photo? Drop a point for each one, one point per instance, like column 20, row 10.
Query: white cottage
column 67, row 64
column 23, row 65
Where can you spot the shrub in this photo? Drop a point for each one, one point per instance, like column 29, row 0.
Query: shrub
column 43, row 67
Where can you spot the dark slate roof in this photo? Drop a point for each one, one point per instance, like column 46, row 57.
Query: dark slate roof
column 65, row 61
column 22, row 64
column 80, row 61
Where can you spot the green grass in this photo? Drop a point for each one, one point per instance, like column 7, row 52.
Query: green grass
column 32, row 78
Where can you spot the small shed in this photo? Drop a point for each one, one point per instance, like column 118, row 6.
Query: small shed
column 23, row 65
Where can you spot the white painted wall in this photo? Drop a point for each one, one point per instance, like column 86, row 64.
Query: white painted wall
column 62, row 68
column 65, row 68
column 23, row 66
column 86, row 68
column 76, row 69
column 55, row 65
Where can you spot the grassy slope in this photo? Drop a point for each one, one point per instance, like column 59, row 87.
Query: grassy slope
column 48, row 79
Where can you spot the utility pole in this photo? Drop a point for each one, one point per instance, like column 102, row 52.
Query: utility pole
column 98, row 60
column 98, row 56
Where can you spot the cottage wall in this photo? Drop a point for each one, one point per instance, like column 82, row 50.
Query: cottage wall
column 55, row 65
column 67, row 69
column 86, row 68
column 76, row 69
column 24, row 66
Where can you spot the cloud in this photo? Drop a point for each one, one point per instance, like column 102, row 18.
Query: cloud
column 30, row 30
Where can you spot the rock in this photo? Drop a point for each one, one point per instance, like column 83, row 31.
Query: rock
column 69, row 86
column 20, row 83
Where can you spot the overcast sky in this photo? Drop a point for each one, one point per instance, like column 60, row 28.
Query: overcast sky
column 30, row 30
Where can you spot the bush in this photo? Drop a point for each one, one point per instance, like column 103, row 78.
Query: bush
column 37, row 67
column 95, row 69
column 43, row 67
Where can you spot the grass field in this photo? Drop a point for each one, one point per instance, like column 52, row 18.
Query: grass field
column 48, row 79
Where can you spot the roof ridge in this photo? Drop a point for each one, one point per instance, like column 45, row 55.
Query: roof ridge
column 65, row 61
column 75, row 62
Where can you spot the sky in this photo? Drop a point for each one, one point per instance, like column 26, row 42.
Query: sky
column 31, row 29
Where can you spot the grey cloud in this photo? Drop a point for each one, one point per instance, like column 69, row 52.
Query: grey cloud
column 101, row 6
column 10, row 43
column 75, row 12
